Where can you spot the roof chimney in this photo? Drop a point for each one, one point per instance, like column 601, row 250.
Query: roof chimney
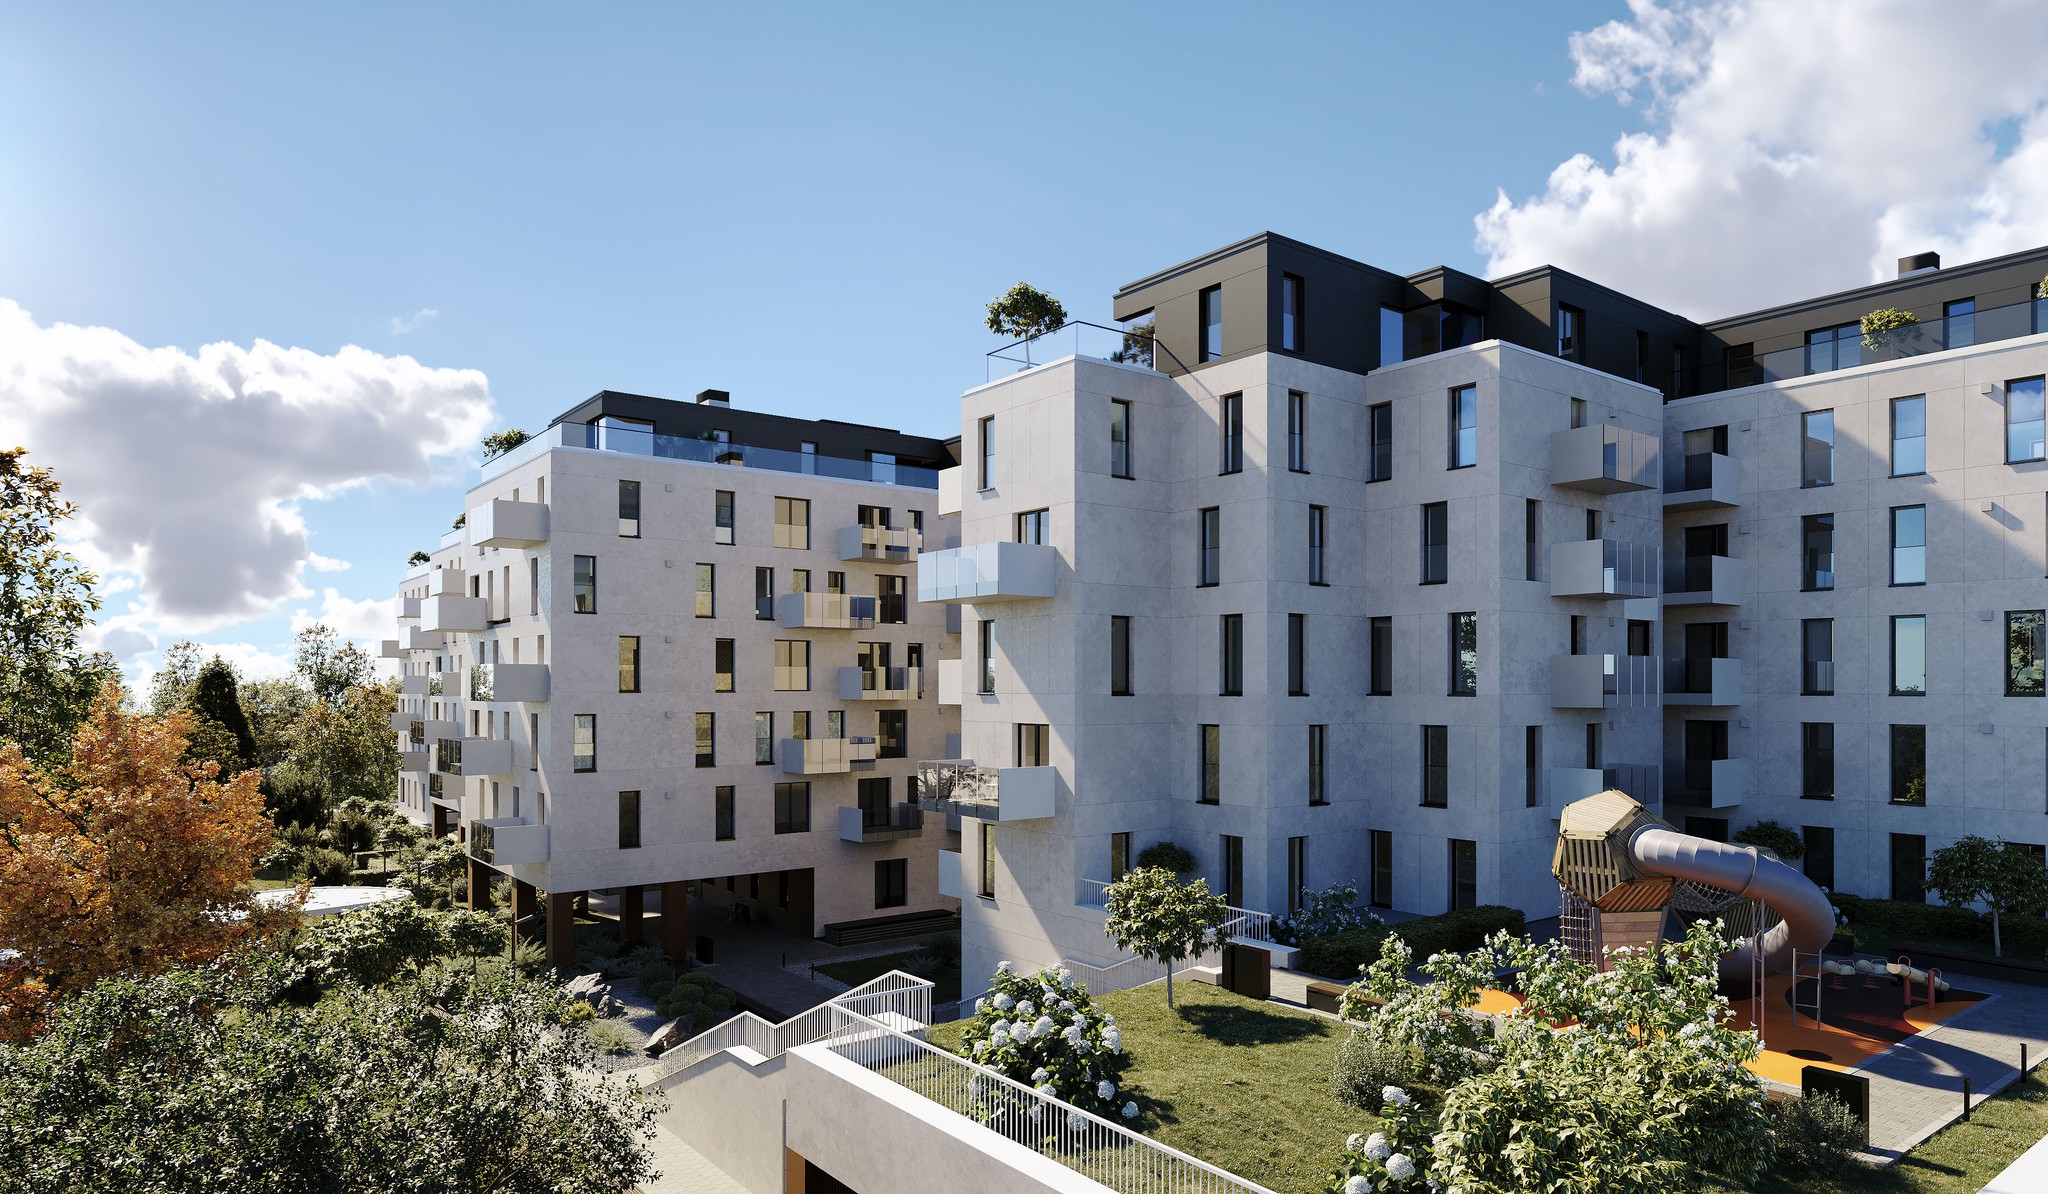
column 721, row 398
column 1919, row 263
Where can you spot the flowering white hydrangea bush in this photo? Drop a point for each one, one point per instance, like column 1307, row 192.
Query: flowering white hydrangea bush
column 1394, row 1158
column 1044, row 1031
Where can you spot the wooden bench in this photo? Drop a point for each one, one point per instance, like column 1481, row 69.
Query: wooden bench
column 1326, row 997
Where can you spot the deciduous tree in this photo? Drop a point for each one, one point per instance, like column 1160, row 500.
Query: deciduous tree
column 2004, row 875
column 47, row 680
column 1025, row 310
column 1156, row 916
column 220, row 730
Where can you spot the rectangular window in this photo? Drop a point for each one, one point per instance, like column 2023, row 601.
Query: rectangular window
column 988, row 861
column 1817, row 760
column 1381, row 649
column 1291, row 296
column 892, row 882
column 799, row 580
column 1119, row 655
column 1817, row 448
column 892, row 733
column 800, row 725
column 2026, row 422
column 707, row 591
column 706, row 752
column 1909, row 655
column 1828, row 349
column 793, row 522
column 764, row 594
column 892, row 600
column 1230, row 422
column 1211, row 521
column 721, row 665
column 1464, row 643
column 1817, row 637
column 1297, row 654
column 1909, row 868
column 1380, row 421
column 1318, row 526
column 1033, row 742
column 586, row 742
column 1119, row 856
column 2025, row 649
column 533, row 743
column 1571, row 333
column 792, row 665
column 1297, row 431
column 629, row 509
column 1532, row 519
column 1230, row 655
column 872, row 795
column 1909, row 764
column 1817, row 553
column 793, row 808
column 1464, row 427
column 1959, row 323
column 1532, row 766
column 1909, row 436
column 835, row 582
column 1031, row 526
column 629, row 663
column 1642, row 634
column 722, row 523
column 586, row 584
column 629, row 820
column 764, row 738
column 1909, row 545
column 1297, row 873
column 533, row 586
column 723, row 814
column 1381, row 876
column 1819, row 859
column 1318, row 738
column 1436, row 766
column 1393, row 326
column 1211, row 765
column 1464, row 865
column 988, row 655
column 1119, row 438
column 1435, row 543
column 1210, row 303
column 1232, row 850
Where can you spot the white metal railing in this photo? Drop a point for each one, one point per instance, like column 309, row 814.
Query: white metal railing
column 1239, row 922
column 894, row 995
column 1094, row 1147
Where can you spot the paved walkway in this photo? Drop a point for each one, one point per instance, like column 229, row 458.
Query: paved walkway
column 1916, row 1086
column 684, row 1170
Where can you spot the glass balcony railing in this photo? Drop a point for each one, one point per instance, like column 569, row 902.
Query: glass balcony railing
column 1077, row 338
column 641, row 442
column 1935, row 333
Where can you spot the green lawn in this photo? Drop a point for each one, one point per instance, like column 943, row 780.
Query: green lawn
column 945, row 984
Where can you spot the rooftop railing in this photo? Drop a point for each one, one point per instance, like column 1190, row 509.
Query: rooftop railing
column 1075, row 338
column 640, row 441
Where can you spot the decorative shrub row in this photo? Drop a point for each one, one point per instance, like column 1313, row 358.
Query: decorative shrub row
column 2021, row 934
column 1340, row 955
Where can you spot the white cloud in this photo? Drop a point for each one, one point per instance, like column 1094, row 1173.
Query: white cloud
column 405, row 325
column 1795, row 148
column 320, row 563
column 189, row 468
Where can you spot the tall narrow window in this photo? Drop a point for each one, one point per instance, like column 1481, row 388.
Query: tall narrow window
column 1031, row 526
column 2026, row 422
column 1436, row 766
column 1532, row 522
column 792, row 665
column 1318, row 739
column 1532, row 766
column 1435, row 543
column 1817, row 760
column 892, row 600
column 892, row 882
column 764, row 594
column 1464, row 867
column 723, row 526
column 707, row 590
column 1381, row 875
column 1033, row 742
column 1959, row 323
column 1230, row 655
column 792, row 522
column 793, row 808
column 706, row 751
column 1210, row 302
column 988, row 860
column 723, row 813
column 629, row 820
column 1464, row 427
column 1909, row 545
column 807, row 456
column 1380, row 429
column 1232, row 852
column 1817, row 553
column 1211, row 521
column 585, row 753
column 1318, row 525
column 533, row 586
column 1119, row 655
column 722, row 665
column 629, row 509
column 1297, row 431
column 1119, row 856
column 1297, row 654
column 2025, row 650
column 629, row 663
column 1230, row 425
column 1909, row 764
column 1119, row 438
column 764, row 738
column 1381, row 649
column 1577, row 413
column 1817, row 448
column 1211, row 762
column 1464, row 643
column 1297, row 873
column 988, row 451
column 1571, row 332
column 1909, row 868
column 586, row 584
column 987, row 633
column 1909, row 436
column 892, row 733
column 1818, row 862
column 1909, row 655
column 1291, row 295
column 1818, row 638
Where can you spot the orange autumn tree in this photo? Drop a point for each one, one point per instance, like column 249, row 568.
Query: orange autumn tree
column 129, row 860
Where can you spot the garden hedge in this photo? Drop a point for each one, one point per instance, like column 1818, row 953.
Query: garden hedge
column 1340, row 955
column 2020, row 933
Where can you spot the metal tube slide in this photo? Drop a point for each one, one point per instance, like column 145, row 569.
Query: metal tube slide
column 1808, row 919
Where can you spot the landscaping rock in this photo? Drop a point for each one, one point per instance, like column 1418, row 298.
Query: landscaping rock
column 590, row 987
column 668, row 1036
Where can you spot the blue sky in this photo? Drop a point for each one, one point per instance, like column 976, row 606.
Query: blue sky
column 806, row 205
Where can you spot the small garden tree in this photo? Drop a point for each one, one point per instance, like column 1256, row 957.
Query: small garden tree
column 416, row 559
column 47, row 681
column 1156, row 916
column 1888, row 324
column 1785, row 843
column 500, row 442
column 1167, row 856
column 1025, row 311
column 2004, row 876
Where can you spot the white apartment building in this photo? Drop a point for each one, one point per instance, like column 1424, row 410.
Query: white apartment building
column 673, row 649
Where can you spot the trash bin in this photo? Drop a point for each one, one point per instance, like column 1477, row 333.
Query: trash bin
column 704, row 951
column 1247, row 970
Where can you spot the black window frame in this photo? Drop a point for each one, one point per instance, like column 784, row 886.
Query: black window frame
column 629, row 509
column 629, row 820
column 1379, row 419
column 584, row 585
column 1436, row 564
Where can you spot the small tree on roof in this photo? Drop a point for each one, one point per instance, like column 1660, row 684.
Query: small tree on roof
column 2004, row 875
column 500, row 442
column 1025, row 311
column 1156, row 916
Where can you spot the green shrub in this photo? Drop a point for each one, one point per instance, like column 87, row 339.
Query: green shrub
column 611, row 1037
column 1918, row 920
column 1769, row 835
column 580, row 1011
column 325, row 866
column 647, row 966
column 1365, row 1066
column 697, row 997
column 1818, row 1135
column 369, row 878
column 938, row 954
column 1165, row 854
column 1340, row 955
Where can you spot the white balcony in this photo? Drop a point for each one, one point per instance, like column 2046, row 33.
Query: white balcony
column 1703, row 580
column 473, row 756
column 499, row 523
column 1704, row 783
column 401, row 721
column 824, row 611
column 525, row 683
column 1702, row 481
column 951, row 672
column 449, row 582
column 949, row 490
column 905, row 820
column 1603, row 458
column 1708, row 682
column 986, row 572
column 950, row 876
column 413, row 762
column 508, row 841
column 824, row 756
column 881, row 545
column 1603, row 681
column 409, row 609
column 454, row 613
column 1576, row 783
column 418, row 685
column 881, row 683
column 391, row 648
column 958, row 787
column 424, row 640
column 1603, row 569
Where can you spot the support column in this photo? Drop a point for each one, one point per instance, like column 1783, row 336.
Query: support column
column 480, row 877
column 675, row 921
column 562, row 930
column 632, row 902
column 525, row 902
